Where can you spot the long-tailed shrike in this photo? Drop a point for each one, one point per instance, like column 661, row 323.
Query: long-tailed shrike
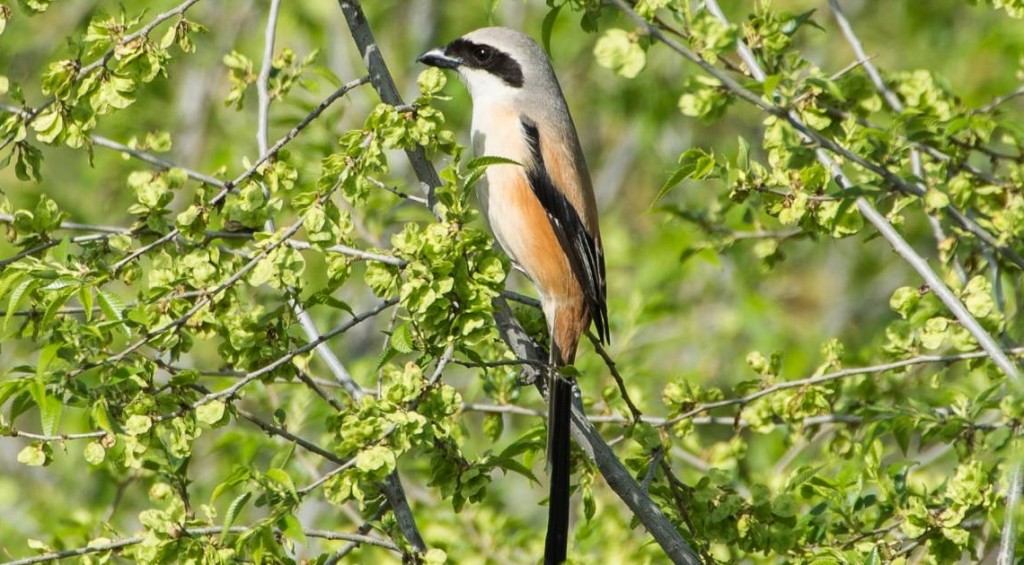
column 542, row 212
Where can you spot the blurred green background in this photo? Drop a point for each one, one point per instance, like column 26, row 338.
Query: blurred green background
column 680, row 309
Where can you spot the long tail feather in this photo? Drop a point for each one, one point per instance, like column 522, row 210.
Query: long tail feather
column 560, row 410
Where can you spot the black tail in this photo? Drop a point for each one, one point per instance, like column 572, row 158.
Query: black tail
column 560, row 409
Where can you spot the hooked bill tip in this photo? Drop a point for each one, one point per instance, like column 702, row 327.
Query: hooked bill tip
column 437, row 58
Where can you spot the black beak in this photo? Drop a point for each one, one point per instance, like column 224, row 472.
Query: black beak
column 437, row 58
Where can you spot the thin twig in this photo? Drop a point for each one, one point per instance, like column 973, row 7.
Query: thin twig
column 897, row 106
column 652, row 467
column 1000, row 100
column 103, row 232
column 102, row 61
column 677, row 488
column 380, row 78
column 747, row 399
column 153, row 160
column 226, row 187
column 198, row 532
column 396, row 192
column 364, row 528
column 263, row 80
column 285, row 434
column 610, row 363
column 306, row 348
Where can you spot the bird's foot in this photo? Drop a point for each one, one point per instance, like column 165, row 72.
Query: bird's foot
column 527, row 377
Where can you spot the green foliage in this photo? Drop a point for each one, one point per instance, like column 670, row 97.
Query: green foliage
column 808, row 400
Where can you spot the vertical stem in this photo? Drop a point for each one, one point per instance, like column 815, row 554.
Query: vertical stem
column 1008, row 537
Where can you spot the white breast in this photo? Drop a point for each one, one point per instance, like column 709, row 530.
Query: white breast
column 497, row 132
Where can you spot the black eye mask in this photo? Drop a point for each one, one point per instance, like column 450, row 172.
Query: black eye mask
column 487, row 58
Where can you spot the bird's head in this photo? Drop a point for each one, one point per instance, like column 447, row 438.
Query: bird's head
column 496, row 63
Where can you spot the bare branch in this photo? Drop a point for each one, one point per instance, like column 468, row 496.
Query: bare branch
column 610, row 363
column 60, row 437
column 153, row 160
column 1000, row 100
column 310, row 346
column 395, row 191
column 263, row 80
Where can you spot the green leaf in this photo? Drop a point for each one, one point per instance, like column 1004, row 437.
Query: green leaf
column 547, row 26
column 38, row 454
column 293, row 529
column 435, row 556
column 978, row 298
column 794, row 23
column 94, row 453
column 38, row 6
column 509, row 464
column 50, row 411
column 138, row 424
column 85, row 298
column 488, row 160
column 238, row 475
column 378, row 461
column 935, row 332
column 113, row 309
column 211, row 413
column 49, row 125
column 695, row 163
column 494, row 424
column 431, row 81
column 620, row 51
column 904, row 299
column 14, row 302
column 401, row 339
column 234, row 509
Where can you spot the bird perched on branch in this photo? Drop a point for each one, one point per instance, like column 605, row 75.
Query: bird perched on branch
column 542, row 212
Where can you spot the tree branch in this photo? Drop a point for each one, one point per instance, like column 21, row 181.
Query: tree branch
column 1008, row 539
column 826, row 146
column 226, row 187
column 201, row 532
column 310, row 346
column 822, row 142
column 614, row 473
column 743, row 400
column 102, row 61
column 382, row 82
column 897, row 106
column 103, row 232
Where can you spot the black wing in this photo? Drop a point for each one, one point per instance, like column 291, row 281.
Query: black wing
column 585, row 257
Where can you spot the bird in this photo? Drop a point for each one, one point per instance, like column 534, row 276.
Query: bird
column 541, row 208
